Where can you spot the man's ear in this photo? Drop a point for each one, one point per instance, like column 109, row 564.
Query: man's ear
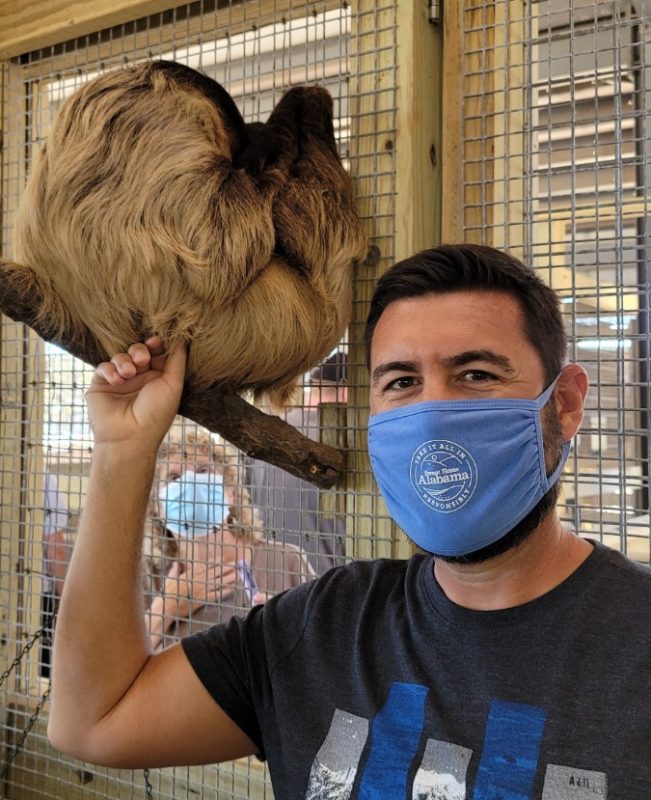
column 569, row 396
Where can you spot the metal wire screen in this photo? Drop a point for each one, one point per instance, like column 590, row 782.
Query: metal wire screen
column 556, row 143
column 256, row 50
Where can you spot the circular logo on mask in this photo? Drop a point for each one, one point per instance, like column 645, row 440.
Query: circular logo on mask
column 444, row 475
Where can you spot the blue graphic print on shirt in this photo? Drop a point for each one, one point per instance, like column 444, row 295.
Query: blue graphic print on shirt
column 507, row 767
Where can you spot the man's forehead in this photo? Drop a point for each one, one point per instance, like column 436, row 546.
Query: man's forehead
column 450, row 324
column 475, row 300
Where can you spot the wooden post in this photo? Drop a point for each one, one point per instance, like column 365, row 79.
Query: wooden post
column 452, row 124
column 12, row 396
column 396, row 113
column 418, row 134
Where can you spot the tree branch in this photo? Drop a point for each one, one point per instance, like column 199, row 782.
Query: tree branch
column 257, row 434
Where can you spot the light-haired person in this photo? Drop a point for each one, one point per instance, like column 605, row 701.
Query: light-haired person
column 221, row 563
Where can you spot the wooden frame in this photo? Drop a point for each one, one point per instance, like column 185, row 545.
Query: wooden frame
column 451, row 126
column 41, row 23
column 21, row 466
column 397, row 136
column 483, row 123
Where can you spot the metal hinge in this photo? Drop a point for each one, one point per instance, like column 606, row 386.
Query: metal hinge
column 435, row 12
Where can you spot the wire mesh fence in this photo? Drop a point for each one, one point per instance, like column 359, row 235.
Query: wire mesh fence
column 556, row 144
column 556, row 168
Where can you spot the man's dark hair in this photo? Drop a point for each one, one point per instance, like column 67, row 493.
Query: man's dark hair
column 468, row 267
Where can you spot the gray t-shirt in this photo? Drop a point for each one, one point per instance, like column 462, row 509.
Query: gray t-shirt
column 370, row 683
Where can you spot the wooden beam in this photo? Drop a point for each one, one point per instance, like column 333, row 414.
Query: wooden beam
column 13, row 388
column 395, row 115
column 26, row 26
column 418, row 130
column 452, row 124
column 508, row 196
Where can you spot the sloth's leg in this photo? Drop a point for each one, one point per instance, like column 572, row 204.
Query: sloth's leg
column 275, row 146
column 24, row 297
column 260, row 153
column 315, row 219
column 316, row 125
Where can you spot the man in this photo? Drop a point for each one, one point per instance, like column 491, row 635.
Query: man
column 514, row 663
column 290, row 506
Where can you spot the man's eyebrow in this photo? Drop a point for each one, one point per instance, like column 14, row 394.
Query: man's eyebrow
column 459, row 360
column 392, row 366
column 469, row 356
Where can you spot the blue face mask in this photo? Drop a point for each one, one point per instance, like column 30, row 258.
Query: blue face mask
column 459, row 475
column 194, row 505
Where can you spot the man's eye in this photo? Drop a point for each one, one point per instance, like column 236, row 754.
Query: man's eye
column 478, row 375
column 202, row 469
column 405, row 382
column 173, row 476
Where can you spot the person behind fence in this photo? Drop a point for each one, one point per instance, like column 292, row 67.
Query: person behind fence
column 289, row 505
column 509, row 659
column 221, row 564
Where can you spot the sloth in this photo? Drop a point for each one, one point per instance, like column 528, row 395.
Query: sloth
column 154, row 208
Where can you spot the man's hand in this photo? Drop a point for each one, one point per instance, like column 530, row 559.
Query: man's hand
column 134, row 396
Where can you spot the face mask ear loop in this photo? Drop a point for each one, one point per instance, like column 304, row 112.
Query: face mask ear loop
column 543, row 399
column 556, row 474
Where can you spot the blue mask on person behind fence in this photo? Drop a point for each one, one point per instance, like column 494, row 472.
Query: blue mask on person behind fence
column 459, row 475
column 194, row 504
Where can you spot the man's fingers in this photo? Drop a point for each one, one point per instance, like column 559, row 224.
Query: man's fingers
column 155, row 345
column 124, row 365
column 141, row 356
column 107, row 372
column 176, row 360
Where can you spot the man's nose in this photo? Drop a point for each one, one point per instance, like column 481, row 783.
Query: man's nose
column 439, row 388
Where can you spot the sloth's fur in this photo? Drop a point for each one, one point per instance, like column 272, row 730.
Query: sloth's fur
column 153, row 208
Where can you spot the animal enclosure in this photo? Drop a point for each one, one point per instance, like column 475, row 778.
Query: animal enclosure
column 521, row 124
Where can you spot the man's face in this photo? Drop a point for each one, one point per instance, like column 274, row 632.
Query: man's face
column 466, row 345
column 462, row 345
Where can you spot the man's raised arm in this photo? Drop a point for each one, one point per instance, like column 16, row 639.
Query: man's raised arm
column 113, row 702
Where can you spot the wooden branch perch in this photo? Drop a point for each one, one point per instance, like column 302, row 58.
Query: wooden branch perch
column 257, row 434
